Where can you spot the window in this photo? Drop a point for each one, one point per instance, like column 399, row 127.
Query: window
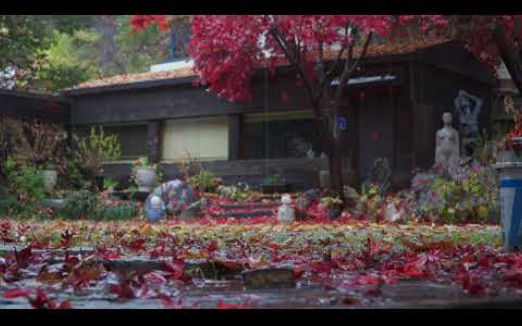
column 133, row 138
column 277, row 135
column 203, row 138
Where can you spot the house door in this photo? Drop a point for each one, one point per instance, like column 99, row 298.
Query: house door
column 376, row 131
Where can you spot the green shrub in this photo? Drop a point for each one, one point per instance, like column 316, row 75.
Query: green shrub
column 98, row 147
column 120, row 211
column 205, row 181
column 27, row 182
column 81, row 204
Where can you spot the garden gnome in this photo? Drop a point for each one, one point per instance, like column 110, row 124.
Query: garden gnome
column 447, row 150
column 286, row 213
column 155, row 209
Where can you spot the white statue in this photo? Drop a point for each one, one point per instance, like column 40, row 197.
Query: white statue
column 447, row 148
column 286, row 213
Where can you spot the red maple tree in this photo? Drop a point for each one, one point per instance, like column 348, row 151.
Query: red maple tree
column 321, row 48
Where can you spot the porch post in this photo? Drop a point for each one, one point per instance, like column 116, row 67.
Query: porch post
column 153, row 140
column 234, row 124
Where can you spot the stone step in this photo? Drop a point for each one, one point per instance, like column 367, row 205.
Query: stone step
column 260, row 213
column 252, row 205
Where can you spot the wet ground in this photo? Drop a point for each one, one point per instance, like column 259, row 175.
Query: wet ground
column 212, row 294
column 329, row 281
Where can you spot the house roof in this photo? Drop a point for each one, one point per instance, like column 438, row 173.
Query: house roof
column 187, row 74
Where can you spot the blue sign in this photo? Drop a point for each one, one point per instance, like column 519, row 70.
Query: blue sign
column 342, row 123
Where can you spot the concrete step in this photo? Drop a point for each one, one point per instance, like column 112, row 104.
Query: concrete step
column 259, row 213
column 251, row 205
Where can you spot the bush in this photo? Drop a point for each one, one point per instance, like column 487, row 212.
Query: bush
column 81, row 204
column 27, row 182
column 87, row 205
column 119, row 211
column 472, row 198
column 93, row 150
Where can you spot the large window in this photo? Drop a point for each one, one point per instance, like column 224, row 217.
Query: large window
column 277, row 135
column 203, row 138
column 133, row 138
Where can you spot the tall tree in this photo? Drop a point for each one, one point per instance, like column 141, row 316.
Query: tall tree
column 226, row 50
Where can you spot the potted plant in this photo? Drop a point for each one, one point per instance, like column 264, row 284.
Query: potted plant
column 205, row 181
column 333, row 205
column 275, row 184
column 145, row 174
column 43, row 146
column 510, row 172
column 109, row 184
column 96, row 149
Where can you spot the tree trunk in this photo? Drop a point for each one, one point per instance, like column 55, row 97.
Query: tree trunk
column 330, row 145
column 335, row 165
column 509, row 55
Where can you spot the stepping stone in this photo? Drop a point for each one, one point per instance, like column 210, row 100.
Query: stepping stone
column 269, row 278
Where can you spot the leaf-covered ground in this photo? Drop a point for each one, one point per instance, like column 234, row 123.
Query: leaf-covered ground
column 349, row 263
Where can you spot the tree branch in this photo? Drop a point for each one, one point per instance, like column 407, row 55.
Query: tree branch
column 284, row 46
column 347, row 71
column 328, row 77
column 509, row 55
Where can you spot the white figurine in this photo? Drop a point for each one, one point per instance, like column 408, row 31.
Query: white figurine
column 286, row 213
column 156, row 203
column 447, row 150
column 393, row 215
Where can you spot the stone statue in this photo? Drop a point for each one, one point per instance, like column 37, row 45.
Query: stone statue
column 286, row 213
column 468, row 107
column 447, row 151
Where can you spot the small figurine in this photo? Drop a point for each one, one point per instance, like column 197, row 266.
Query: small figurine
column 286, row 213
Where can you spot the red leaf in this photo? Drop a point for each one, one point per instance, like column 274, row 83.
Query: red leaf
column 155, row 277
column 16, row 293
column 24, row 254
column 225, row 305
column 176, row 268
column 65, row 305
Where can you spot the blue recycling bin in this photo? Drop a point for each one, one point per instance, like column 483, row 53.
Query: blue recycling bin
column 510, row 174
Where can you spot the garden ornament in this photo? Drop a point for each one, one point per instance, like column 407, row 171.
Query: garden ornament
column 447, row 151
column 286, row 213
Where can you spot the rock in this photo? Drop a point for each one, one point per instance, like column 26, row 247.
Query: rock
column 215, row 270
column 351, row 194
column 269, row 278
column 52, row 203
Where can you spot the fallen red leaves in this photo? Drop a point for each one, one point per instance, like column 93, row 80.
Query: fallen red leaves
column 330, row 254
